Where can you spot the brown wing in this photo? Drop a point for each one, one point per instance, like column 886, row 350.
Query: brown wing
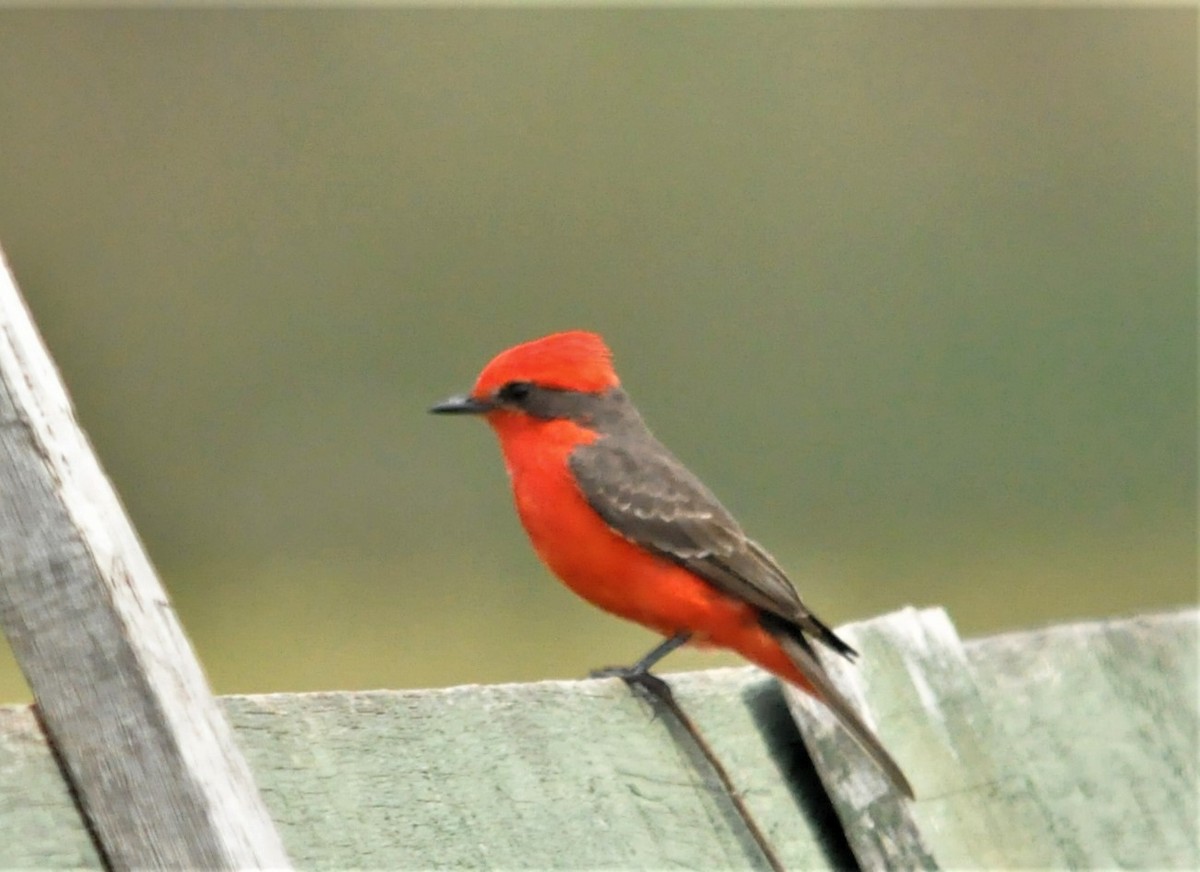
column 644, row 493
column 650, row 498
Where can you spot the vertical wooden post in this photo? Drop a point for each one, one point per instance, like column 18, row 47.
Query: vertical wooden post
column 118, row 688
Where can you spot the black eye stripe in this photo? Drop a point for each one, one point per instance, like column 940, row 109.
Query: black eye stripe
column 600, row 411
column 546, row 402
column 515, row 391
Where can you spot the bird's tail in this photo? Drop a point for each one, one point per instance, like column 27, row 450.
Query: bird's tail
column 800, row 652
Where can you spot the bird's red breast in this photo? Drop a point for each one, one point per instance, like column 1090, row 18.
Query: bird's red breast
column 608, row 570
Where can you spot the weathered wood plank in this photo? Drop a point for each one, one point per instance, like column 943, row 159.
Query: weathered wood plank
column 1103, row 721
column 556, row 775
column 1073, row 747
column 1018, row 746
column 146, row 748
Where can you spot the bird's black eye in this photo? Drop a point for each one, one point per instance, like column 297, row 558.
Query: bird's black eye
column 515, row 391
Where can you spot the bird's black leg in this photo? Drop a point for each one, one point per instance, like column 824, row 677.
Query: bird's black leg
column 639, row 673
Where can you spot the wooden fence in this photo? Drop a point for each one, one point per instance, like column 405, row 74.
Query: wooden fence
column 1072, row 746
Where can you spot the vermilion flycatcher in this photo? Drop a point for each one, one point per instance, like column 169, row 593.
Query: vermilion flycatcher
column 627, row 527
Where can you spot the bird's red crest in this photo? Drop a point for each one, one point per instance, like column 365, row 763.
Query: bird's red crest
column 575, row 360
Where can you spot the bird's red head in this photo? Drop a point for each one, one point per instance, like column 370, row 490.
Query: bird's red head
column 513, row 387
column 574, row 361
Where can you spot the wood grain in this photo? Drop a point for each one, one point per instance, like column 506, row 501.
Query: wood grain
column 1070, row 747
column 1103, row 724
column 144, row 744
column 555, row 775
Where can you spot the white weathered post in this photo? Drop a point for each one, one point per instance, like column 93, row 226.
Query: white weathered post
column 118, row 688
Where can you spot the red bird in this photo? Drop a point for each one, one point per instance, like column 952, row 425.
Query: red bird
column 626, row 526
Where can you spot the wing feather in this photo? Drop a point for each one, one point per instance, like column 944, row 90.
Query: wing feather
column 647, row 496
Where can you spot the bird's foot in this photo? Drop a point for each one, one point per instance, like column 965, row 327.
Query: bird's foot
column 638, row 679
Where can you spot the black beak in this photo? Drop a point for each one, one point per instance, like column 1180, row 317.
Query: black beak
column 461, row 405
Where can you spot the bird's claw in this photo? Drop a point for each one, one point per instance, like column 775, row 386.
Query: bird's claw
column 638, row 679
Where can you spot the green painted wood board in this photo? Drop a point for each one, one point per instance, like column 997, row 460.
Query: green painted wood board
column 1103, row 720
column 549, row 775
column 556, row 775
column 1074, row 746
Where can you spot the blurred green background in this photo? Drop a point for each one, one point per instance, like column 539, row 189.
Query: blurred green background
column 913, row 291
